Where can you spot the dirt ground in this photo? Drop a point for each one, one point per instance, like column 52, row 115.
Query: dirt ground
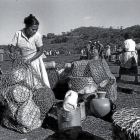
column 92, row 127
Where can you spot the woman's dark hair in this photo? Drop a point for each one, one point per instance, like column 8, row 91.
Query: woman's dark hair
column 127, row 36
column 31, row 20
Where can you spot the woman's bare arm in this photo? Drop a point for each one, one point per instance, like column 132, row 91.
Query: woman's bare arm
column 38, row 54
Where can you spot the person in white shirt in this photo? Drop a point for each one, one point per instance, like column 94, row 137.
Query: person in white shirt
column 108, row 52
column 29, row 40
column 129, row 57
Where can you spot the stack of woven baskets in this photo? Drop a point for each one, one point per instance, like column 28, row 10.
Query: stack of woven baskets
column 26, row 98
column 90, row 73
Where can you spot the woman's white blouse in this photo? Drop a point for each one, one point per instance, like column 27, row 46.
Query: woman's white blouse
column 130, row 45
column 28, row 46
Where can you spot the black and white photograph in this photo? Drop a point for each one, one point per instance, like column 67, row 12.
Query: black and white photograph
column 69, row 70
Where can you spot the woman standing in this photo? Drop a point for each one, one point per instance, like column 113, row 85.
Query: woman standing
column 129, row 58
column 108, row 52
column 30, row 42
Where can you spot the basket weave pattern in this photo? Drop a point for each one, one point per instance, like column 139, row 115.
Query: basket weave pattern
column 53, row 77
column 78, row 68
column 126, row 124
column 26, row 98
column 99, row 71
column 96, row 69
column 78, row 83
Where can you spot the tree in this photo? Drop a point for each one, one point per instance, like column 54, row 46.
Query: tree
column 121, row 27
column 44, row 36
column 63, row 33
column 50, row 35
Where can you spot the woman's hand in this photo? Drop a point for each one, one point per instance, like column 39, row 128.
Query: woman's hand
column 11, row 48
column 14, row 49
column 38, row 54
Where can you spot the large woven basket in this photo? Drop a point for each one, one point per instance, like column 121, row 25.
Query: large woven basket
column 53, row 77
column 99, row 71
column 126, row 124
column 18, row 94
column 96, row 70
column 78, row 68
column 78, row 83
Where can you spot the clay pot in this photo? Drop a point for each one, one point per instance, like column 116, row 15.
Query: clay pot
column 101, row 106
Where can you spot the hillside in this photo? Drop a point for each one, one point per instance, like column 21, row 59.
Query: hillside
column 77, row 39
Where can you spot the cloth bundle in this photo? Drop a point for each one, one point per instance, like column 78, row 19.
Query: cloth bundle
column 26, row 98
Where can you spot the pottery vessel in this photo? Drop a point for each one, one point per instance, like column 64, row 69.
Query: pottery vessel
column 100, row 106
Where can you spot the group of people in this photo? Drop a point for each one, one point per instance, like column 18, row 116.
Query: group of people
column 93, row 47
column 127, row 55
column 103, row 51
column 51, row 52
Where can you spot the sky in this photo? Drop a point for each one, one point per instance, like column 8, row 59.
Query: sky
column 57, row 16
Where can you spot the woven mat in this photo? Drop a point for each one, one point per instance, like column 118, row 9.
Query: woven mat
column 126, row 124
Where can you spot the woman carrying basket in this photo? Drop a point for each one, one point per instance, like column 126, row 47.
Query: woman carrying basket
column 30, row 43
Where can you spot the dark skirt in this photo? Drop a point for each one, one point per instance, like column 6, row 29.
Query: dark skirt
column 128, row 71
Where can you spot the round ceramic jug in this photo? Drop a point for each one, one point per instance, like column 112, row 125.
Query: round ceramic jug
column 100, row 106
